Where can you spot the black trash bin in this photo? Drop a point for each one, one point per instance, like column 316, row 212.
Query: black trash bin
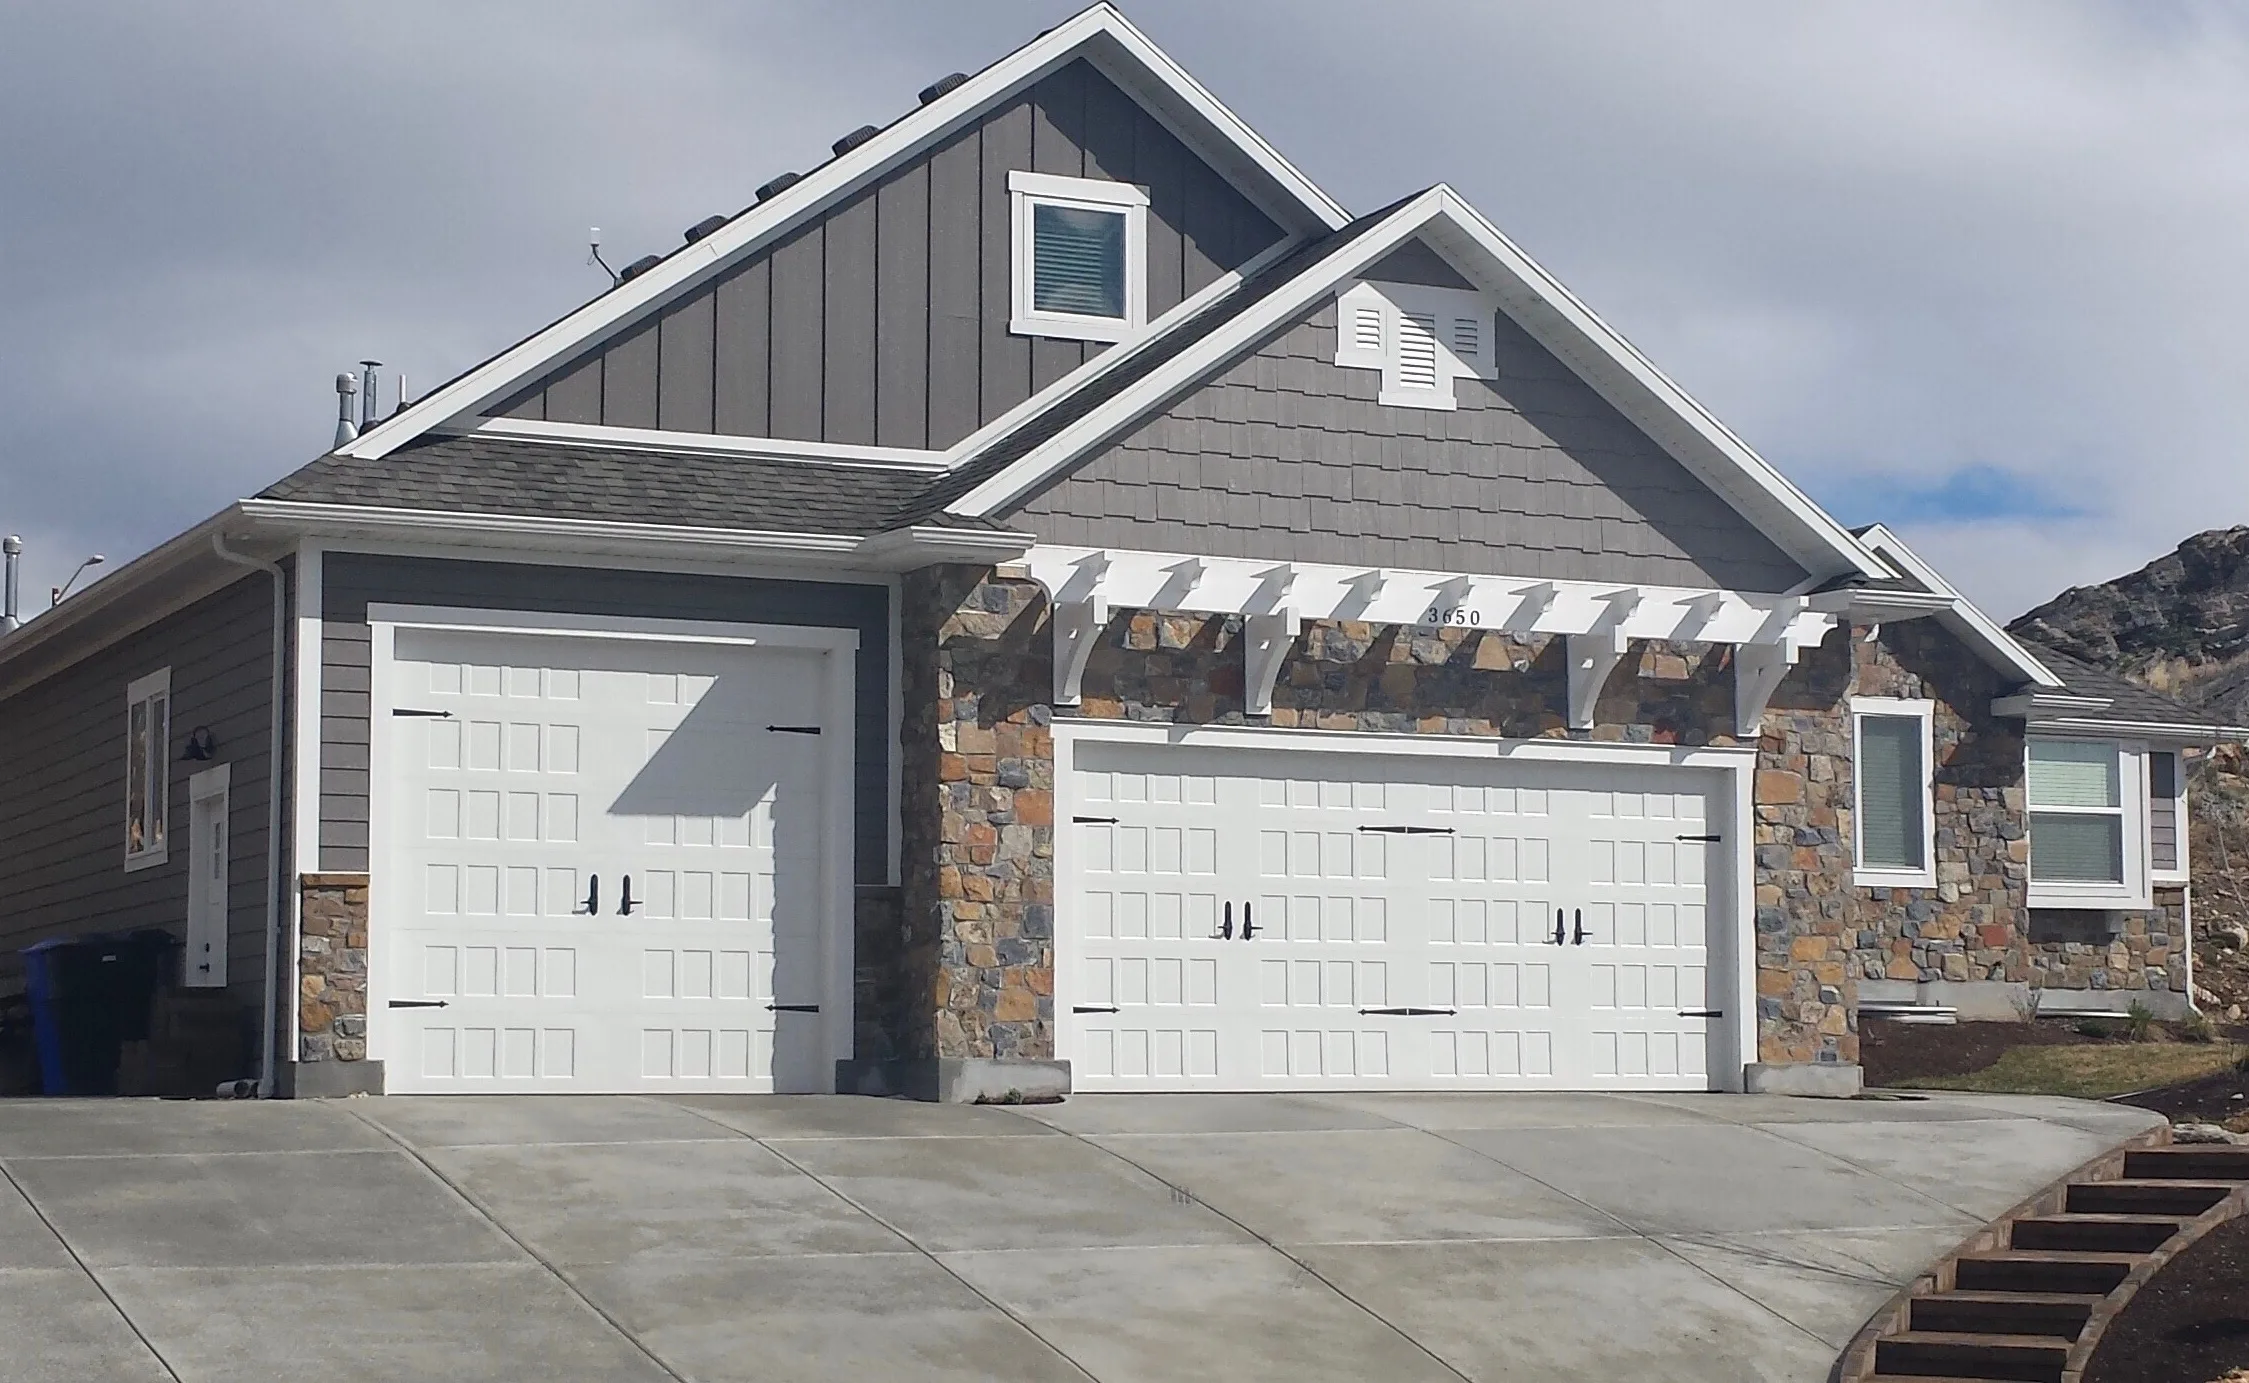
column 98, row 991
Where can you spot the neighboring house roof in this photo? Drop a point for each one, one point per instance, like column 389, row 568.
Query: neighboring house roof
column 479, row 475
column 1099, row 34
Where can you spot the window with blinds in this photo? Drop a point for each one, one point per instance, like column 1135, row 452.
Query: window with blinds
column 2076, row 812
column 1078, row 261
column 1893, row 792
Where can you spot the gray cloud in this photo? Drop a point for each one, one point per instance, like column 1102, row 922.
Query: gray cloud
column 1893, row 245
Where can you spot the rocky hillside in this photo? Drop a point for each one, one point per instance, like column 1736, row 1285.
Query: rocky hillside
column 2180, row 625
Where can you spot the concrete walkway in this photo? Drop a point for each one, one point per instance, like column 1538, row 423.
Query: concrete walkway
column 1402, row 1237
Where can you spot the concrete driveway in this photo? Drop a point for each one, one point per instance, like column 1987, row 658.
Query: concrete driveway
column 1402, row 1237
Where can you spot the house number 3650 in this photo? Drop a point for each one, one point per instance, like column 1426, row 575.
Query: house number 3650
column 1451, row 614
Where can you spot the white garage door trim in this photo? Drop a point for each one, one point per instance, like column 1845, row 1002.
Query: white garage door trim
column 838, row 744
column 1733, row 947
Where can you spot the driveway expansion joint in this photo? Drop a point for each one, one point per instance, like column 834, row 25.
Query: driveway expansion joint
column 93, row 1277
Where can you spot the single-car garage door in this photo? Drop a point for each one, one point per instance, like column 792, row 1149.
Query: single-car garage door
column 1246, row 919
column 606, row 865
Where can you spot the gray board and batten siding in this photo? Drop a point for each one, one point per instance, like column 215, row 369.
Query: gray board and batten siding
column 1284, row 455
column 350, row 582
column 62, row 783
column 885, row 323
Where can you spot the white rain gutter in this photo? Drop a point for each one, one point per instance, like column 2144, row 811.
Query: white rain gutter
column 279, row 707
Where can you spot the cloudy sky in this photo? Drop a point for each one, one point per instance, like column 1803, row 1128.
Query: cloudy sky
column 1977, row 270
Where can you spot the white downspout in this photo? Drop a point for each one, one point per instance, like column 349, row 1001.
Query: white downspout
column 274, row 877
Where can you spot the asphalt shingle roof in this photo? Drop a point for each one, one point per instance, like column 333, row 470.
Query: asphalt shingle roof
column 476, row 475
column 2128, row 700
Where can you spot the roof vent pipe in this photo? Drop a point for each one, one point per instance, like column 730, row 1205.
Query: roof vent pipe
column 11, row 597
column 369, row 389
column 346, row 429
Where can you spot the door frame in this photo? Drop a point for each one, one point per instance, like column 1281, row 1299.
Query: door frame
column 839, row 649
column 214, row 784
column 1733, row 948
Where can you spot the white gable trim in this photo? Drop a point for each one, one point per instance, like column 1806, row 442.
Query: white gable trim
column 1998, row 647
column 1551, row 314
column 1099, row 34
column 697, row 443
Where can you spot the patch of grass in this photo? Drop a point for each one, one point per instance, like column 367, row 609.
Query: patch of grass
column 2140, row 1024
column 2090, row 1072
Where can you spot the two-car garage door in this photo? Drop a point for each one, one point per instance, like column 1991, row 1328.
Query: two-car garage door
column 1245, row 919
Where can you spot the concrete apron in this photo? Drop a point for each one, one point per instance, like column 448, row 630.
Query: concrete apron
column 1502, row 1237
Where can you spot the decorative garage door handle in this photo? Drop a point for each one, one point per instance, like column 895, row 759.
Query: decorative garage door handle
column 593, row 896
column 1561, row 933
column 1410, row 1012
column 417, row 1003
column 1249, row 928
column 1707, row 840
column 1578, row 934
column 1094, row 820
column 1702, row 1013
column 1093, row 1008
column 1407, row 830
column 792, row 1008
column 625, row 904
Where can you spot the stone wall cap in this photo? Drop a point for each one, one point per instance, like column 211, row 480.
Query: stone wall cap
column 334, row 879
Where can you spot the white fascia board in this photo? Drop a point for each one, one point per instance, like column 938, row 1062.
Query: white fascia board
column 2166, row 731
column 2042, row 704
column 2000, row 648
column 697, row 443
column 1093, row 30
column 1535, row 300
column 893, row 551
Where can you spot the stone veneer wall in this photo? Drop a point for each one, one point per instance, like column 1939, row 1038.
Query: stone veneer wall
column 332, row 968
column 975, row 975
column 2142, row 950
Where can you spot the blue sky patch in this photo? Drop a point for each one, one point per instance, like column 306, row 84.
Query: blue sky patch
column 1968, row 495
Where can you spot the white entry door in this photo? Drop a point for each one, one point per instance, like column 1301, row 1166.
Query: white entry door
column 1246, row 919
column 606, row 864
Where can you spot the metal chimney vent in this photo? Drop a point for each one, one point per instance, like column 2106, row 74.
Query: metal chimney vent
column 11, row 596
column 346, row 428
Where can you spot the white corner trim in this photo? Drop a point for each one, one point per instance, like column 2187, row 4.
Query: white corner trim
column 1888, row 876
column 697, row 443
column 1100, row 33
column 1999, row 648
column 304, row 721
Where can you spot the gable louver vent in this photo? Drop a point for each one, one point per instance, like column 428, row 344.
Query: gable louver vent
column 779, row 185
column 703, row 227
column 1467, row 337
column 1366, row 329
column 941, row 86
column 853, row 140
column 1417, row 350
column 638, row 267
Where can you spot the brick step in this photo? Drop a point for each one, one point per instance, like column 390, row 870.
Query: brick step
column 2104, row 1233
column 2028, row 1270
column 2146, row 1197
column 1957, row 1354
column 2004, row 1313
column 2192, row 1162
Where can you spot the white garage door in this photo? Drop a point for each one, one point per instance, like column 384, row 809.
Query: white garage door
column 1251, row 919
column 605, row 865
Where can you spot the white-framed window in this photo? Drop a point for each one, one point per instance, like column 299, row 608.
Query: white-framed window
column 2167, row 816
column 148, row 740
column 2087, row 832
column 1081, row 256
column 1424, row 340
column 1893, row 817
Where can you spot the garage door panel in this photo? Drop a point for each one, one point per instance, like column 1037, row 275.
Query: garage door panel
column 617, row 861
column 1427, row 886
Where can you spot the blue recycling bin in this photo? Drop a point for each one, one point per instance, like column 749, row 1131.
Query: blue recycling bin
column 42, row 987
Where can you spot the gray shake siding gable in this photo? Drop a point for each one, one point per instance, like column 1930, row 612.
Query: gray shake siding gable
column 1284, row 455
column 886, row 322
column 62, row 803
column 351, row 582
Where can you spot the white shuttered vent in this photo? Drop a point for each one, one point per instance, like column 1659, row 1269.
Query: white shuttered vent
column 1424, row 340
column 1417, row 351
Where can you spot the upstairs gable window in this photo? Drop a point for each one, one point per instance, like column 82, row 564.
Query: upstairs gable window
column 1081, row 255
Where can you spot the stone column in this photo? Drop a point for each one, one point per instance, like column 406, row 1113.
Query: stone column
column 331, row 1057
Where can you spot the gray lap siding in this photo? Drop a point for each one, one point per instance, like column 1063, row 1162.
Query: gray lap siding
column 351, row 582
column 62, row 783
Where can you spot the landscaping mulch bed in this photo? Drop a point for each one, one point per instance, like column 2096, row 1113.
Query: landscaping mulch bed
column 2210, row 1100
column 2190, row 1323
column 1890, row 1051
